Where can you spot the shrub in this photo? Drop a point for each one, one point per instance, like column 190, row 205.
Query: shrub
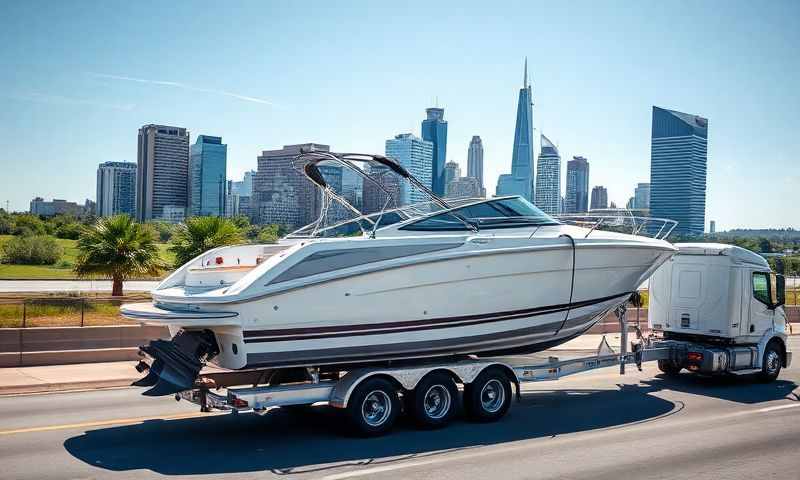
column 32, row 250
column 28, row 224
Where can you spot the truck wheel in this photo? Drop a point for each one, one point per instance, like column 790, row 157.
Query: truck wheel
column 669, row 368
column 771, row 363
column 373, row 407
column 488, row 397
column 434, row 400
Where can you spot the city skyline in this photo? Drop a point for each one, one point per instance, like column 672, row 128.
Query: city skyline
column 111, row 89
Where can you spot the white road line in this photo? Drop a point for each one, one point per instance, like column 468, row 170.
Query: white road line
column 471, row 454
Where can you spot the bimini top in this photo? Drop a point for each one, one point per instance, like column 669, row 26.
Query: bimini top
column 738, row 255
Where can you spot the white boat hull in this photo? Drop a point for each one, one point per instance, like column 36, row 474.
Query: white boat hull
column 487, row 297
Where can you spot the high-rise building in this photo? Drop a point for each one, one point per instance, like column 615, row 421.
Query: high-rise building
column 712, row 227
column 162, row 174
column 451, row 172
column 387, row 195
column 116, row 189
column 282, row 194
column 207, row 173
column 464, row 187
column 415, row 155
column 243, row 187
column 577, row 196
column 352, row 187
column 641, row 196
column 678, row 157
column 599, row 197
column 475, row 161
column 521, row 179
column 434, row 130
column 548, row 178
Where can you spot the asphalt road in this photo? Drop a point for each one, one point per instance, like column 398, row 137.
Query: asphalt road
column 596, row 425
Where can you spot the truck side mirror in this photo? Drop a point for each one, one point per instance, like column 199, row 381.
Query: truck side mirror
column 780, row 290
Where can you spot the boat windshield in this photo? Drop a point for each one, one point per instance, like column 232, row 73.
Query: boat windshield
column 511, row 212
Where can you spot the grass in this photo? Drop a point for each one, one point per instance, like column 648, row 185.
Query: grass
column 61, row 270
column 63, row 315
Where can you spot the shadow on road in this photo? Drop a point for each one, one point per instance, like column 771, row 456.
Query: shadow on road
column 733, row 389
column 285, row 442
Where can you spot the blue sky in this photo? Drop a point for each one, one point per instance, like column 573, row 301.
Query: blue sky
column 79, row 78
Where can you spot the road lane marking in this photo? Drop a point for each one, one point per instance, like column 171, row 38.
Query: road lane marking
column 490, row 451
column 102, row 423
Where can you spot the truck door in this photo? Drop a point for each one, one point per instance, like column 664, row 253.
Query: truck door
column 761, row 315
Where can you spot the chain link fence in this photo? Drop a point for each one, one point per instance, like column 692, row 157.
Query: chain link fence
column 64, row 311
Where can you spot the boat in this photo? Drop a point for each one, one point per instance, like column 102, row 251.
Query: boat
column 443, row 277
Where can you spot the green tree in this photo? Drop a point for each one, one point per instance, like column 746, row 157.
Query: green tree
column 200, row 234
column 119, row 248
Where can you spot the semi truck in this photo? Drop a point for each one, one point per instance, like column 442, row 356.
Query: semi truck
column 719, row 310
column 713, row 310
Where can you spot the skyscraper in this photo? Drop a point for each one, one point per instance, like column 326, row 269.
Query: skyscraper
column 374, row 197
column 116, row 189
column 451, row 172
column 243, row 187
column 548, row 178
column 641, row 196
column 207, row 173
column 434, row 130
column 464, row 187
column 577, row 197
column 162, row 174
column 415, row 155
column 521, row 179
column 678, row 157
column 475, row 161
column 281, row 194
column 599, row 197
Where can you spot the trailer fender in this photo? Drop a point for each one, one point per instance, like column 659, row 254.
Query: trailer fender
column 408, row 378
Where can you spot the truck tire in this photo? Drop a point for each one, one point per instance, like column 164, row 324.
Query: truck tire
column 669, row 368
column 488, row 397
column 771, row 363
column 373, row 407
column 434, row 401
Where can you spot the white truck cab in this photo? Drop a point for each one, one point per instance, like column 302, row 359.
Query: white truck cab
column 727, row 301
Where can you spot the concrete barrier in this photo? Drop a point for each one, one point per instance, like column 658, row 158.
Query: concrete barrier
column 64, row 345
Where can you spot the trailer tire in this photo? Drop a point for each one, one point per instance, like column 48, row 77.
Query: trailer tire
column 434, row 401
column 373, row 407
column 669, row 368
column 771, row 363
column 488, row 397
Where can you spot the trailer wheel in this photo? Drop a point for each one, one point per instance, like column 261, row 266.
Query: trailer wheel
column 373, row 407
column 488, row 397
column 434, row 401
column 771, row 363
column 669, row 368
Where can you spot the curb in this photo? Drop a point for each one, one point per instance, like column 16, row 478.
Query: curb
column 6, row 390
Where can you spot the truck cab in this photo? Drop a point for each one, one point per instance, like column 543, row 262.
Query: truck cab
column 720, row 296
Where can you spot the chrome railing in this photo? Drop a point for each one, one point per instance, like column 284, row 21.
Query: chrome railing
column 659, row 228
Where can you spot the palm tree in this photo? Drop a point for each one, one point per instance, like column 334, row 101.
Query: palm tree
column 119, row 248
column 200, row 234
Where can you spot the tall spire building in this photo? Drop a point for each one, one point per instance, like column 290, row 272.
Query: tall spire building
column 521, row 179
column 434, row 130
column 475, row 161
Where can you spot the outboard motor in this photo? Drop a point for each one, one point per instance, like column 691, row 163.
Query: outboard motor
column 176, row 362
